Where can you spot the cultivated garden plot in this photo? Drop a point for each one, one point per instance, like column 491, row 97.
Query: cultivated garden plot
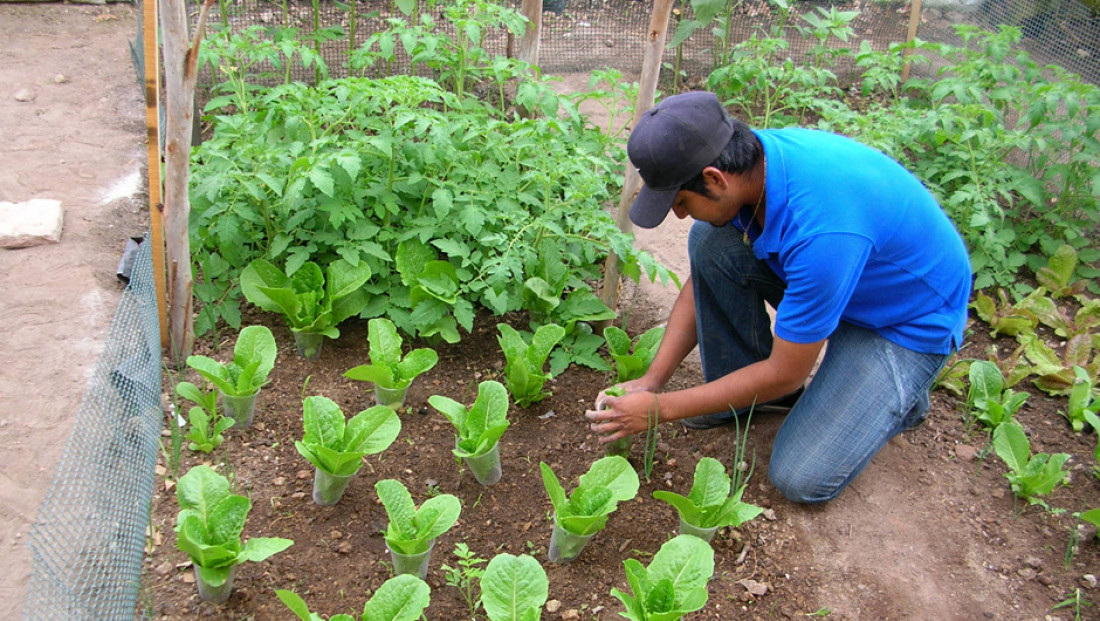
column 443, row 440
column 762, row 569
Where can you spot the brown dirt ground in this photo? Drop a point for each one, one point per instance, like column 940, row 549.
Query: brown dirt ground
column 926, row 532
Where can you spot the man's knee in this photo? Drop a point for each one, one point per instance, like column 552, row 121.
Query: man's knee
column 804, row 485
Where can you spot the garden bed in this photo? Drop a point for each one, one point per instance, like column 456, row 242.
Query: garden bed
column 1013, row 561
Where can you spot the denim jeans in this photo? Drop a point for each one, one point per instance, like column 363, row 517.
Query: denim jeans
column 866, row 390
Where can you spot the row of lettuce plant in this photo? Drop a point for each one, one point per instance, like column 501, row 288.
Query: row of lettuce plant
column 212, row 518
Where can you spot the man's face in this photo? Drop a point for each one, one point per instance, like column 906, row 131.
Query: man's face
column 726, row 195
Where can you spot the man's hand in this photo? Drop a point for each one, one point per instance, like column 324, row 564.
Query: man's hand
column 618, row 417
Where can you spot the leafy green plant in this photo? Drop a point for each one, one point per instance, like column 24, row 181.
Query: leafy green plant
column 1031, row 476
column 609, row 481
column 383, row 172
column 466, row 576
column 674, row 584
column 401, row 598
column 207, row 425
column 388, row 368
column 1082, row 400
column 338, row 447
column 1076, row 601
column 524, row 362
column 210, row 523
column 253, row 358
column 514, row 588
column 1092, row 516
column 632, row 357
column 1053, row 369
column 988, row 400
column 311, row 301
column 710, row 504
column 411, row 530
column 481, row 426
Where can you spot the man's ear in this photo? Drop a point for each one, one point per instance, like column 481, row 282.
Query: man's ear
column 714, row 177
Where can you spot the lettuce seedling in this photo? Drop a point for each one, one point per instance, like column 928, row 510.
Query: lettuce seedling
column 337, row 447
column 412, row 530
column 480, row 427
column 988, row 400
column 524, row 361
column 514, row 588
column 1031, row 476
column 207, row 426
column 311, row 301
column 632, row 358
column 1081, row 400
column 609, row 481
column 253, row 358
column 210, row 523
column 401, row 598
column 709, row 503
column 674, row 584
column 388, row 368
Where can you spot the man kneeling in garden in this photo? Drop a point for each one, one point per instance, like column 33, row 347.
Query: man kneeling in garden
column 845, row 244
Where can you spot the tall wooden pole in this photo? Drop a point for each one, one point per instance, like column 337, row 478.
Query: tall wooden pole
column 647, row 88
column 914, row 21
column 150, row 41
column 180, row 76
column 529, row 44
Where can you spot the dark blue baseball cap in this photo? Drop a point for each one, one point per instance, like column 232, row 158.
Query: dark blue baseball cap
column 672, row 142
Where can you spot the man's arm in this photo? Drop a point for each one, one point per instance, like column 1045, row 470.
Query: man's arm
column 780, row 374
column 679, row 340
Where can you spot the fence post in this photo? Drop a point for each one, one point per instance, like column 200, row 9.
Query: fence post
column 647, row 88
column 151, row 51
column 914, row 21
column 180, row 76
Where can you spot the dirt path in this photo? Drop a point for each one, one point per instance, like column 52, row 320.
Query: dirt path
column 80, row 140
column 918, row 536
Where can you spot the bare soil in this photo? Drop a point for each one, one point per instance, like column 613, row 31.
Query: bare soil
column 929, row 531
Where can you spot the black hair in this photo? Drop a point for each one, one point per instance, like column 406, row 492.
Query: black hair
column 738, row 156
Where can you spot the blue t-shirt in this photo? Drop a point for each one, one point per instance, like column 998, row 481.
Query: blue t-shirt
column 858, row 238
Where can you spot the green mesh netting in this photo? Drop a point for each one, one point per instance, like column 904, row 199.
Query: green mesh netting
column 88, row 539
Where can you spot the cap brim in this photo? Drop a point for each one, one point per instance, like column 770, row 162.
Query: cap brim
column 651, row 207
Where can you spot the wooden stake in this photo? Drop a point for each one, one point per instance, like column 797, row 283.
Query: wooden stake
column 152, row 145
column 914, row 21
column 647, row 88
column 180, row 77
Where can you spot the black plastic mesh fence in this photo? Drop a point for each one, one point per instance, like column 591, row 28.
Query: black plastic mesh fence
column 88, row 539
column 593, row 34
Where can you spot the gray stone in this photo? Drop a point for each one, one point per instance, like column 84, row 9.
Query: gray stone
column 24, row 95
column 33, row 223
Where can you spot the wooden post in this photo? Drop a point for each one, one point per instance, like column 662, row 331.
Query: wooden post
column 914, row 21
column 529, row 45
column 152, row 125
column 647, row 88
column 180, row 76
